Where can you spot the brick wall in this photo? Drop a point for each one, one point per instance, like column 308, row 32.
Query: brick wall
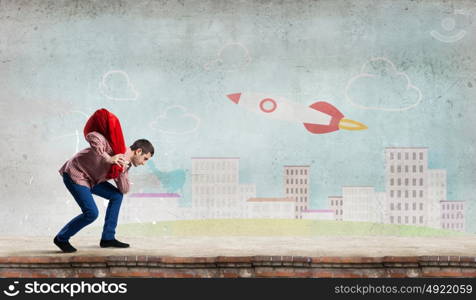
column 232, row 267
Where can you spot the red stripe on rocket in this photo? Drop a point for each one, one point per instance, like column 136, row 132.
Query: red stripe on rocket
column 320, row 117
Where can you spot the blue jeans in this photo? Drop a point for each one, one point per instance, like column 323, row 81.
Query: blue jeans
column 84, row 198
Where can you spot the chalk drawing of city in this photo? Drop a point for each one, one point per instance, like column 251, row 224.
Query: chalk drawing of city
column 414, row 197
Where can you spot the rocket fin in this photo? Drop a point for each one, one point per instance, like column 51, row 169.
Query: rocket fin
column 328, row 109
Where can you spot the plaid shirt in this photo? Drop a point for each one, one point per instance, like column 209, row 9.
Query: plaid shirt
column 90, row 166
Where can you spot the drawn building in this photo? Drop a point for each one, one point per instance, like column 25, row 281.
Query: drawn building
column 406, row 186
column 296, row 187
column 362, row 204
column 452, row 215
column 270, row 208
column 336, row 204
column 436, row 191
column 318, row 214
column 247, row 191
column 380, row 205
column 216, row 192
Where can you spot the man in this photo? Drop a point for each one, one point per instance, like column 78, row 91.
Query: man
column 86, row 174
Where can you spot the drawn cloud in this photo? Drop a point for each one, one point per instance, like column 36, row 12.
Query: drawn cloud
column 380, row 86
column 176, row 120
column 231, row 58
column 116, row 85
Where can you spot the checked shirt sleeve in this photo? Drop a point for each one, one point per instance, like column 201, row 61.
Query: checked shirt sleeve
column 99, row 143
column 123, row 183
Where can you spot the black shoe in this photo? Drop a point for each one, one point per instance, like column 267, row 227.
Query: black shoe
column 113, row 243
column 64, row 246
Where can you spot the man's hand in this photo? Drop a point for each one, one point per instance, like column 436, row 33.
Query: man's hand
column 118, row 159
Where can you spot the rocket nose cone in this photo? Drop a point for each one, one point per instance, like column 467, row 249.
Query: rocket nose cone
column 234, row 97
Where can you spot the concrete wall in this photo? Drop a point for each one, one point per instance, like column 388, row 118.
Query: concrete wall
column 406, row 69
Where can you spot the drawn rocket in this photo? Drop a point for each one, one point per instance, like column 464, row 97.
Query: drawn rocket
column 320, row 117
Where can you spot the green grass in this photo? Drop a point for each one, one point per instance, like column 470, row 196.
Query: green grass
column 277, row 227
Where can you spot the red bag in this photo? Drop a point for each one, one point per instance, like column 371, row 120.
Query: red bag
column 107, row 124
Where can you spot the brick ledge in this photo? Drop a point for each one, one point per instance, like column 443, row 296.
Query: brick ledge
column 237, row 266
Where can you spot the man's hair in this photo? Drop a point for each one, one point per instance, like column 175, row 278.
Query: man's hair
column 145, row 145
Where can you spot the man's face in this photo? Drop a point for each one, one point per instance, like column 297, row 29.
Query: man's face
column 139, row 159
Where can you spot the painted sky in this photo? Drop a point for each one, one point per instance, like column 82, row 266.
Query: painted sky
column 404, row 68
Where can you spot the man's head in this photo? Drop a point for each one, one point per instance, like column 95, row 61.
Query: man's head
column 142, row 150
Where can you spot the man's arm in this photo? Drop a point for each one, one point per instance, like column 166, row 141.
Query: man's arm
column 123, row 183
column 99, row 144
